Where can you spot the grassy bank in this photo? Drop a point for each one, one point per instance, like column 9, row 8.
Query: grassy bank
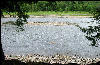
column 71, row 13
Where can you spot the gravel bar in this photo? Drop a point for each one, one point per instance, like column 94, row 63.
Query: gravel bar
column 47, row 40
column 50, row 43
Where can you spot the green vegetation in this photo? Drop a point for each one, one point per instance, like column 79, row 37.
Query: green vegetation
column 63, row 6
column 71, row 13
column 75, row 8
column 18, row 8
column 59, row 13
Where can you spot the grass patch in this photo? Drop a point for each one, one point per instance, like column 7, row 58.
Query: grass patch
column 14, row 13
column 71, row 13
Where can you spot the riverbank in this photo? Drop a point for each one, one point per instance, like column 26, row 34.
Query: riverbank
column 54, row 16
column 60, row 59
column 48, row 13
column 71, row 13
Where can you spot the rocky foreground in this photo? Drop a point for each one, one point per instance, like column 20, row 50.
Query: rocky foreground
column 60, row 59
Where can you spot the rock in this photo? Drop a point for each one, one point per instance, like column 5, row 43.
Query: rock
column 62, row 59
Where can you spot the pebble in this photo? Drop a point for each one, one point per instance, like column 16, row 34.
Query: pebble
column 53, row 59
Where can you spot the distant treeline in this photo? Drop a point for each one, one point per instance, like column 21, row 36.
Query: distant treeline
column 62, row 6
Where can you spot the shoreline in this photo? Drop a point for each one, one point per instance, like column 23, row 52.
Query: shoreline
column 56, row 16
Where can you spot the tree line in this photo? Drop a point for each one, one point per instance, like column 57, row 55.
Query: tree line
column 59, row 6
column 62, row 6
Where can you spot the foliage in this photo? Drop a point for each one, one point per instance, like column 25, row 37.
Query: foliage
column 97, row 13
column 20, row 8
column 93, row 29
column 89, row 34
column 63, row 6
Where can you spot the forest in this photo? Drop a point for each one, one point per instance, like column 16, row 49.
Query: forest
column 62, row 6
column 86, row 6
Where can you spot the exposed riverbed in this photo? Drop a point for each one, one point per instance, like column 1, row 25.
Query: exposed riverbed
column 49, row 39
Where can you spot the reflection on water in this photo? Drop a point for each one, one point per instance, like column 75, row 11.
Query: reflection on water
column 92, row 34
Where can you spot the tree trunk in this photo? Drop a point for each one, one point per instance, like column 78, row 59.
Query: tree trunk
column 2, row 57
